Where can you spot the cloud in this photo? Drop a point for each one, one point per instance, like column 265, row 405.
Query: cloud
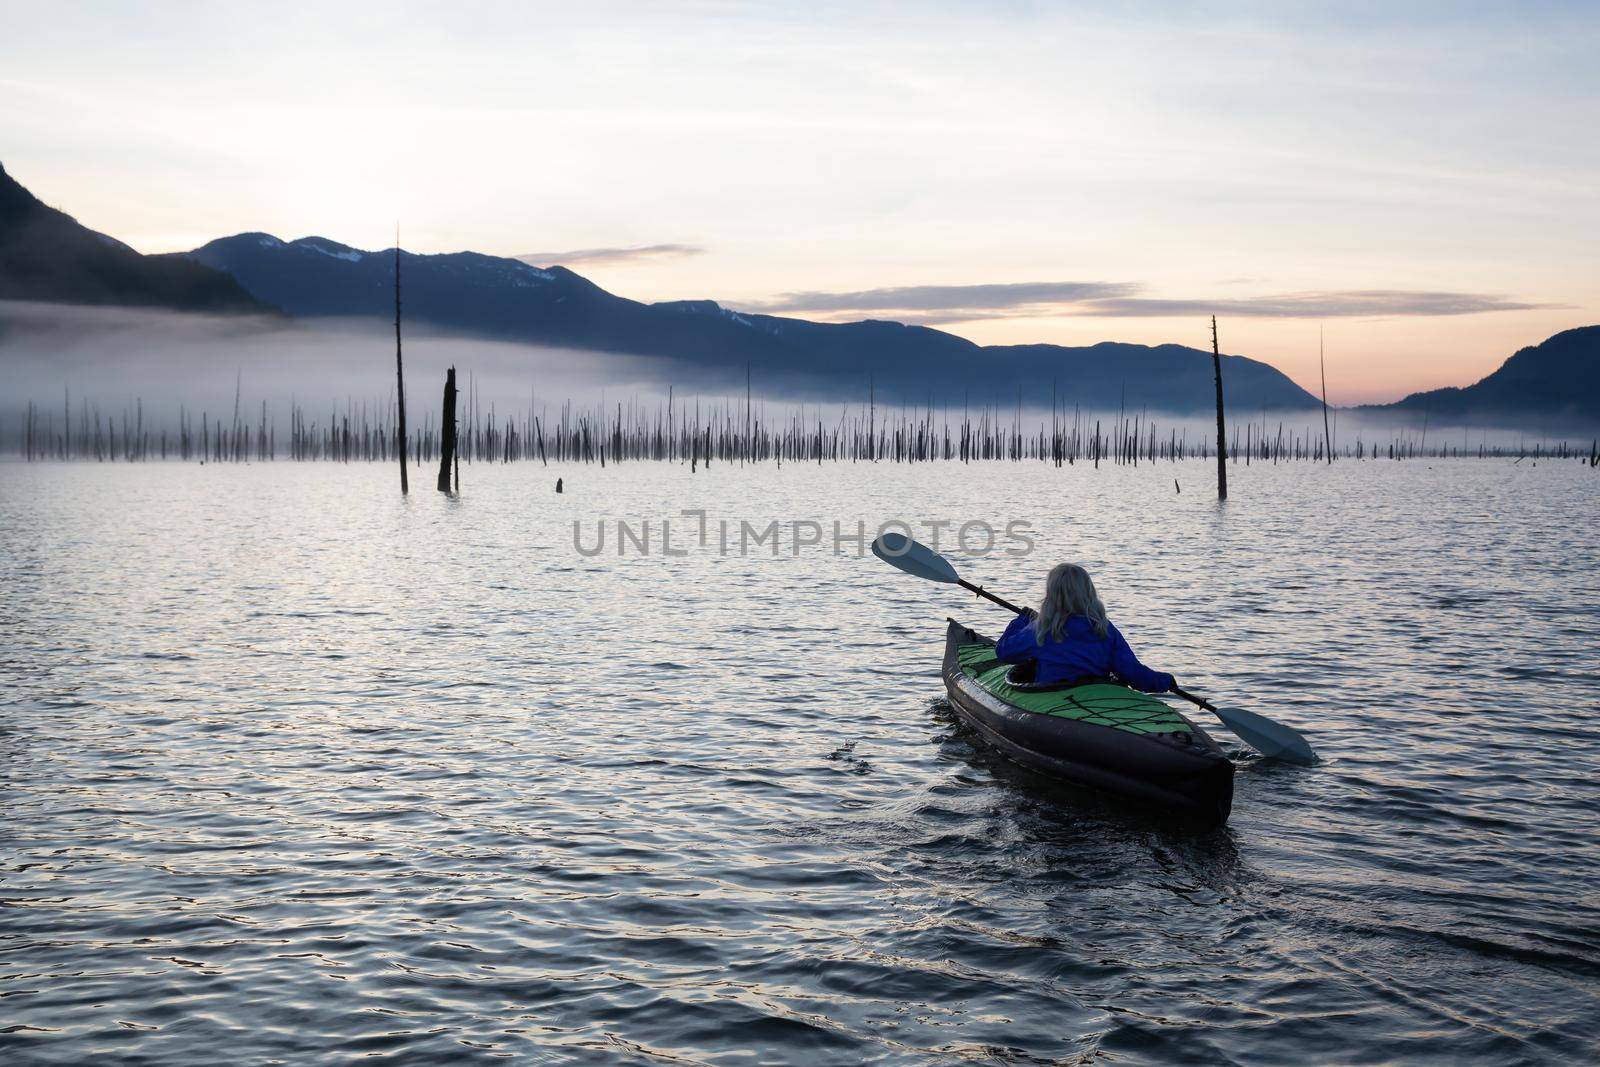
column 1348, row 303
column 929, row 304
column 610, row 255
column 932, row 304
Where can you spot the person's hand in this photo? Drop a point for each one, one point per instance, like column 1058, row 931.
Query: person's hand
column 1172, row 687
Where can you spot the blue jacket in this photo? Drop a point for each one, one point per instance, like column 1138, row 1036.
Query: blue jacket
column 1081, row 653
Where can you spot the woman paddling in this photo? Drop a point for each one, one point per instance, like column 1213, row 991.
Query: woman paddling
column 1069, row 638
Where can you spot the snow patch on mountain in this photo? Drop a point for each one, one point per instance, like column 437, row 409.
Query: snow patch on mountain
column 702, row 307
column 524, row 276
column 344, row 252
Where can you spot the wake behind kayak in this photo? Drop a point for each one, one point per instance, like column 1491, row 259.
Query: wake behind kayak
column 1097, row 734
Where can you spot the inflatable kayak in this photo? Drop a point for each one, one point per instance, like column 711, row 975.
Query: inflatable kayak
column 1095, row 733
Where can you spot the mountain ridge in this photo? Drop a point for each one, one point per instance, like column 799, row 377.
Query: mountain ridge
column 47, row 255
column 509, row 299
column 1568, row 361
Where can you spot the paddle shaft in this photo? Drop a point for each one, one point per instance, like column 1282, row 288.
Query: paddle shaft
column 981, row 591
column 1191, row 698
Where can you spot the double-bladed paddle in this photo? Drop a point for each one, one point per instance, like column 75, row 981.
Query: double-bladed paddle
column 1266, row 736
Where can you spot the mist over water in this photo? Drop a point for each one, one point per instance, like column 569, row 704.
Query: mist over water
column 112, row 357
column 118, row 361
column 294, row 768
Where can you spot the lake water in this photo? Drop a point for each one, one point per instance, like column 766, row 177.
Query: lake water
column 296, row 770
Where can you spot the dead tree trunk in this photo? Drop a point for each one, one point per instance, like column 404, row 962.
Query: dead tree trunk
column 1222, row 446
column 1327, row 434
column 447, row 431
column 399, row 372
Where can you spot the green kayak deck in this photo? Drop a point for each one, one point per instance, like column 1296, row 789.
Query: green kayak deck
column 1098, row 704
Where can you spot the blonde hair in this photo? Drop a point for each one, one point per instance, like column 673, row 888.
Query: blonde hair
column 1069, row 591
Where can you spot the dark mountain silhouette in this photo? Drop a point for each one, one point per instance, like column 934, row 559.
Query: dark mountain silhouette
column 45, row 255
column 506, row 298
column 48, row 256
column 1558, row 377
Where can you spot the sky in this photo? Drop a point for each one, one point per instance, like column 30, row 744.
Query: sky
column 1412, row 183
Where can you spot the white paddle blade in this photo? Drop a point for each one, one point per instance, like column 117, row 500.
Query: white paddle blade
column 1271, row 739
column 898, row 550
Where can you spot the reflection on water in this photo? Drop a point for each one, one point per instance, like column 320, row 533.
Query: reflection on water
column 295, row 769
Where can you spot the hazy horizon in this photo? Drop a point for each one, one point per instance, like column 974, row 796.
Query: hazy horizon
column 113, row 361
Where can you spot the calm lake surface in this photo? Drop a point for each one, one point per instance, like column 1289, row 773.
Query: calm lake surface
column 296, row 770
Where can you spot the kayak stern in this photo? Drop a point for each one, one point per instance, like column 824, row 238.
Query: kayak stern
column 1088, row 735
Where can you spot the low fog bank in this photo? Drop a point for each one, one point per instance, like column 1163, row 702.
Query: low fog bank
column 116, row 361
column 114, row 357
column 112, row 360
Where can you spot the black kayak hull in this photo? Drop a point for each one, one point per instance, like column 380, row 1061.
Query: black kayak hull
column 1184, row 773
